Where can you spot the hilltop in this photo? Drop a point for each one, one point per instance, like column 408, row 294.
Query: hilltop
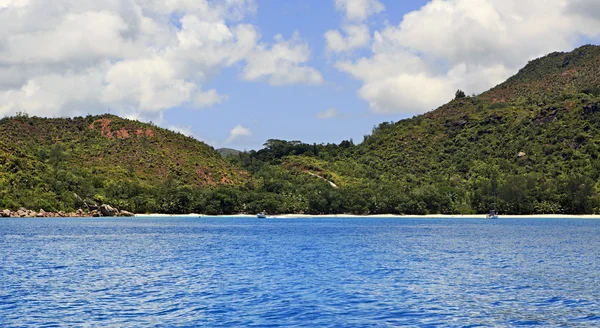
column 62, row 163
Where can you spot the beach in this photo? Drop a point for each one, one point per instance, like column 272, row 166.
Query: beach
column 390, row 216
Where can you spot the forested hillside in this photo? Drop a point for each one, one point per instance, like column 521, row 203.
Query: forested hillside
column 65, row 163
column 528, row 145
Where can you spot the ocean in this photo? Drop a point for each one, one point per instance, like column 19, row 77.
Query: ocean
column 309, row 272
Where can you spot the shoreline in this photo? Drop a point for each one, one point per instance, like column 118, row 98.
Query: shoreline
column 388, row 216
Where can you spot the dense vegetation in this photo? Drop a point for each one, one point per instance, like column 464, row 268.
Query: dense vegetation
column 63, row 164
column 529, row 145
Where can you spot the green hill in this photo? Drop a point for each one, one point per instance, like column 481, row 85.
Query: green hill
column 529, row 145
column 60, row 164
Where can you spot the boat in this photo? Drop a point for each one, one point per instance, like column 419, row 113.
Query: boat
column 261, row 215
column 493, row 214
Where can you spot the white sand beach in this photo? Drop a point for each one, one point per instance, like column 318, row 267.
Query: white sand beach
column 391, row 216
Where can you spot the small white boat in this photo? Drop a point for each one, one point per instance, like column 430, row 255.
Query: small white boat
column 261, row 215
column 492, row 215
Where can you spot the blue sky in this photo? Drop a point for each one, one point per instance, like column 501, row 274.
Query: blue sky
column 235, row 73
column 289, row 112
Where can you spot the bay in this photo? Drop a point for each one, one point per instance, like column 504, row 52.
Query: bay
column 309, row 272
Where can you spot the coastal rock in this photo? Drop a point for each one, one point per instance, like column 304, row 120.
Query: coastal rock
column 5, row 214
column 108, row 210
column 126, row 213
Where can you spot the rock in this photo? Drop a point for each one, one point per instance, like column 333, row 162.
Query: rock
column 521, row 154
column 108, row 210
column 591, row 108
column 126, row 213
column 40, row 214
column 95, row 214
column 5, row 214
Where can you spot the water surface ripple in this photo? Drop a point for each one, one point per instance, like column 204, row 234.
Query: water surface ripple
column 232, row 272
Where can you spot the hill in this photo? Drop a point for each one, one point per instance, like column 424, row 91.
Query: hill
column 226, row 152
column 62, row 163
column 528, row 145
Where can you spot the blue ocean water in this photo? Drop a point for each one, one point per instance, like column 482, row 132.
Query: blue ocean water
column 232, row 272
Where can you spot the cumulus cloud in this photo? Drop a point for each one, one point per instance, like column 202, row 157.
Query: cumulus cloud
column 358, row 10
column 237, row 132
column 136, row 57
column 356, row 36
column 283, row 63
column 473, row 45
column 329, row 113
column 209, row 98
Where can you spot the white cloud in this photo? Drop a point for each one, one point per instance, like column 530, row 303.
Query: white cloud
column 185, row 130
column 136, row 57
column 237, row 132
column 356, row 36
column 473, row 45
column 209, row 98
column 283, row 63
column 358, row 10
column 149, row 84
column 329, row 113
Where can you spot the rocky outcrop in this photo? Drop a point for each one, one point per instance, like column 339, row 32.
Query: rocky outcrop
column 591, row 108
column 547, row 115
column 108, row 210
column 98, row 211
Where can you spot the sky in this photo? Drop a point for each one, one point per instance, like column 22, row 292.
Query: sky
column 234, row 73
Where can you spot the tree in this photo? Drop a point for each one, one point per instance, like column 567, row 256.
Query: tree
column 459, row 94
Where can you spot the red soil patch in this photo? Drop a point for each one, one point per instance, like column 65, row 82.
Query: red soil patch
column 205, row 176
column 104, row 124
column 568, row 73
column 122, row 134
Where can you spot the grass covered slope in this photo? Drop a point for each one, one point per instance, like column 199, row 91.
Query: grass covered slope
column 60, row 164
